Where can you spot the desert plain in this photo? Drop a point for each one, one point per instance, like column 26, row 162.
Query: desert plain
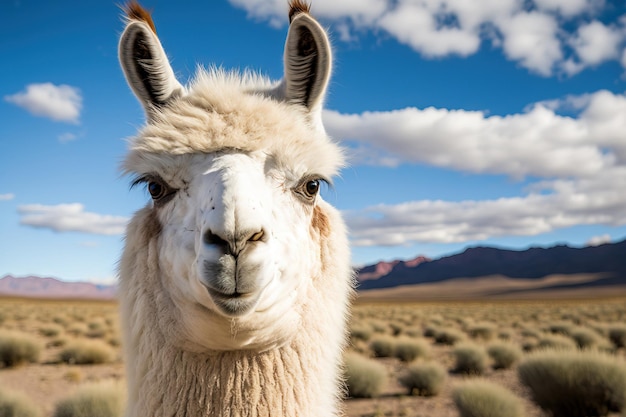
column 66, row 329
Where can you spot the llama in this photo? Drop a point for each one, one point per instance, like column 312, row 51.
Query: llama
column 235, row 280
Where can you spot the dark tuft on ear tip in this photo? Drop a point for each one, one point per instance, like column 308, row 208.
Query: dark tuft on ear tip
column 134, row 11
column 296, row 7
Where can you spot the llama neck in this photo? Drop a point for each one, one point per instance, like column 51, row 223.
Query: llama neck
column 280, row 382
column 298, row 379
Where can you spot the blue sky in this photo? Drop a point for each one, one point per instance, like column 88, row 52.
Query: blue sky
column 497, row 122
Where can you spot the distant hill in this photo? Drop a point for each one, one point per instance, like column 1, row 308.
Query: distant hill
column 37, row 287
column 383, row 268
column 534, row 263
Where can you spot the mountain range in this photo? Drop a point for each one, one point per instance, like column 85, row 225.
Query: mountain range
column 608, row 260
column 38, row 287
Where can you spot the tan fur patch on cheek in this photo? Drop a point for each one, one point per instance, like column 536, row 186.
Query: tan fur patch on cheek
column 320, row 222
column 320, row 232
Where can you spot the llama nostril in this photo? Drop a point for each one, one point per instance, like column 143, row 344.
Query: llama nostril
column 211, row 238
column 257, row 236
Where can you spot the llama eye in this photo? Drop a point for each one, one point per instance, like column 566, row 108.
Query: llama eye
column 308, row 189
column 160, row 192
column 312, row 187
column 156, row 190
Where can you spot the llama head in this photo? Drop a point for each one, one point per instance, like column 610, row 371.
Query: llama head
column 233, row 164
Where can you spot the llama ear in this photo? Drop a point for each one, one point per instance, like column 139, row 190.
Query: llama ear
column 308, row 60
column 144, row 62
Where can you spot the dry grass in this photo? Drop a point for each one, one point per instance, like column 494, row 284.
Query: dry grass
column 503, row 354
column 17, row 348
column 480, row 398
column 425, row 379
column 595, row 324
column 576, row 383
column 365, row 378
column 470, row 359
column 15, row 404
column 102, row 399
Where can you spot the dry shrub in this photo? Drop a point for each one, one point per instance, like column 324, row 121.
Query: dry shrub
column 396, row 328
column 379, row 326
column 360, row 332
column 479, row 398
column 413, row 332
column 50, row 330
column 528, row 345
column 482, row 331
column 17, row 348
column 424, row 379
column 365, row 377
column 556, row 341
column 102, row 399
column 383, row 346
column 77, row 329
column 530, row 332
column 504, row 355
column 470, row 359
column 407, row 349
column 57, row 342
column 505, row 334
column 431, row 331
column 561, row 327
column 617, row 335
column 575, row 383
column 15, row 404
column 114, row 341
column 96, row 330
column 449, row 336
column 86, row 352
column 587, row 338
column 62, row 320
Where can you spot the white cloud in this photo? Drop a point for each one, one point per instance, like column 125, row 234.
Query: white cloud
column 61, row 103
column 568, row 8
column 533, row 33
column 554, row 205
column 420, row 28
column 536, row 143
column 360, row 12
column 7, row 197
column 569, row 103
column 70, row 218
column 580, row 162
column 599, row 240
column 593, row 43
column 531, row 39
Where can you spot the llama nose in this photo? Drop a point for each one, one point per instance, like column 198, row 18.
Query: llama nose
column 233, row 244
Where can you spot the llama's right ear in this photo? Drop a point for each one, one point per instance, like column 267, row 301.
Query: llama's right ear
column 146, row 67
column 308, row 59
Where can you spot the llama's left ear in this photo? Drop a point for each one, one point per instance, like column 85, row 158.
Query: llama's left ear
column 308, row 60
column 147, row 69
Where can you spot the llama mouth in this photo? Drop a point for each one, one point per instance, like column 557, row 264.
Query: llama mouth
column 234, row 304
column 228, row 296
